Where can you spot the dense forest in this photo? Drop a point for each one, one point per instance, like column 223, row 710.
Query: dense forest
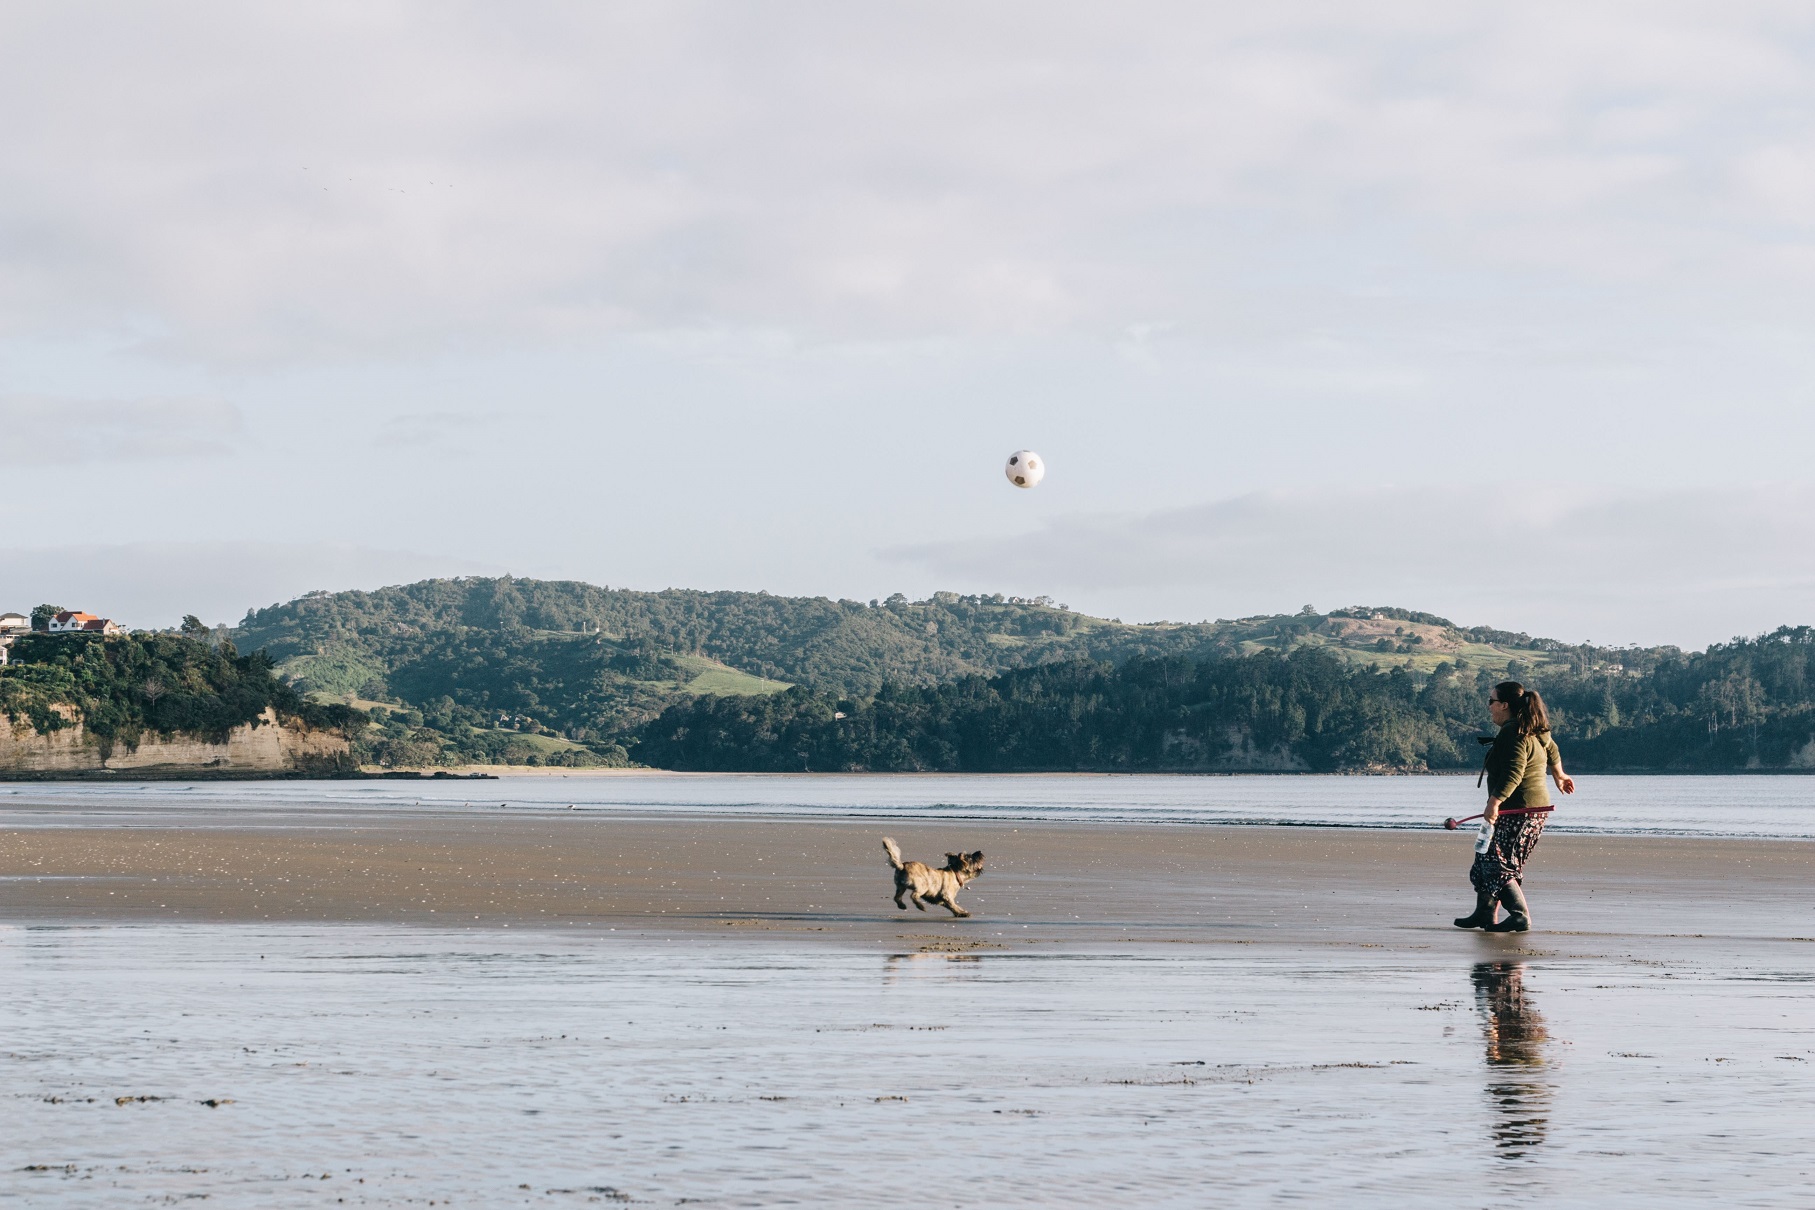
column 558, row 672
column 1305, row 710
column 505, row 671
column 1748, row 704
column 350, row 642
column 1743, row 705
column 123, row 686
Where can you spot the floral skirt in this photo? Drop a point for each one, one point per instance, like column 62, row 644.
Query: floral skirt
column 1515, row 836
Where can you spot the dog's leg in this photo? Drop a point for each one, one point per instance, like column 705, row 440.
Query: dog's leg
column 951, row 905
column 917, row 901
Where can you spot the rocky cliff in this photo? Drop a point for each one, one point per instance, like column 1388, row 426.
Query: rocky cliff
column 265, row 747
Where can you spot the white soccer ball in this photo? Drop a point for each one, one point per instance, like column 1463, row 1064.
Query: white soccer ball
column 1025, row 468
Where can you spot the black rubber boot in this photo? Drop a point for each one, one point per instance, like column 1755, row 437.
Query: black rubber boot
column 1484, row 913
column 1518, row 916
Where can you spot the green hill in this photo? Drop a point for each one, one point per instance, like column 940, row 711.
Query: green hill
column 554, row 673
column 471, row 667
column 350, row 641
column 1744, row 705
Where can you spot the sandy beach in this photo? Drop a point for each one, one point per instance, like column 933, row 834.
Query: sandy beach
column 314, row 1003
column 826, row 880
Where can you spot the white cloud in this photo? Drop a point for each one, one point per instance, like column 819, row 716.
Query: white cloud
column 153, row 584
column 438, row 430
column 233, row 181
column 1662, row 566
column 40, row 430
column 833, row 261
column 1782, row 178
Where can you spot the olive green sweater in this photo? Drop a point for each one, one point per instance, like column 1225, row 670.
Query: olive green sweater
column 1516, row 766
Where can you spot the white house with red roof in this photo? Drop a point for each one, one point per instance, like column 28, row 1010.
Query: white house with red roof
column 75, row 622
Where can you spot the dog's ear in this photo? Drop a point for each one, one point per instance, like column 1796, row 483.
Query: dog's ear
column 977, row 857
column 953, row 858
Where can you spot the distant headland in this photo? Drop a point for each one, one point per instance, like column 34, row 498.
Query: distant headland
column 500, row 672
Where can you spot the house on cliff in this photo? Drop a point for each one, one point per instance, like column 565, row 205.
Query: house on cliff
column 12, row 625
column 72, row 622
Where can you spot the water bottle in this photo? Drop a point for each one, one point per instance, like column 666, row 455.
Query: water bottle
column 1484, row 836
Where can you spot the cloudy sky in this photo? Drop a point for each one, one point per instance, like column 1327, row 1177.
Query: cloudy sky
column 1498, row 311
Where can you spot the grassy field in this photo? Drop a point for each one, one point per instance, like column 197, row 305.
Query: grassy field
column 706, row 676
column 1358, row 645
column 543, row 744
column 710, row 676
column 324, row 698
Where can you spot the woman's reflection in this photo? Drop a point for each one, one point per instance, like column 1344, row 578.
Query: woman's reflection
column 1517, row 1064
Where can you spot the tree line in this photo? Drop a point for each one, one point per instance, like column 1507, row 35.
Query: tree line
column 1749, row 704
column 520, row 695
column 121, row 687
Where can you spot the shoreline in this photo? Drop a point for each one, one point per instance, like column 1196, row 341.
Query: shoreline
column 824, row 880
column 731, row 1011
column 502, row 772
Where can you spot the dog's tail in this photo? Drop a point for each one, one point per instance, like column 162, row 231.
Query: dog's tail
column 894, row 852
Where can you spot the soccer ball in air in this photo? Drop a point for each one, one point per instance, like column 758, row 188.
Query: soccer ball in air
column 1025, row 468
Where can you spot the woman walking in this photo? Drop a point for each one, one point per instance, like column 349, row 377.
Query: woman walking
column 1514, row 772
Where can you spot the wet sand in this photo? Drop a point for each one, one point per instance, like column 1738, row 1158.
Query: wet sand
column 331, row 1007
column 826, row 880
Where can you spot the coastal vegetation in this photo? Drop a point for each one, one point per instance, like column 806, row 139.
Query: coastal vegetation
column 351, row 642
column 1304, row 710
column 1749, row 704
column 517, row 671
column 121, row 687
column 468, row 668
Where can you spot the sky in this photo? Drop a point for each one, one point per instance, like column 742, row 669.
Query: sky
column 1498, row 311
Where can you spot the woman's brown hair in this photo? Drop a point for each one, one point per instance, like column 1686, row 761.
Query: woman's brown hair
column 1528, row 713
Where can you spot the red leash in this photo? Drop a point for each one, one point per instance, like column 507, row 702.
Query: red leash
column 1453, row 824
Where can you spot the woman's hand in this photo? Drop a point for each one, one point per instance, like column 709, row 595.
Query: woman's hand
column 1493, row 810
column 1565, row 783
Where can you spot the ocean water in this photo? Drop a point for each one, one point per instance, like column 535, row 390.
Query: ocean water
column 1744, row 806
column 355, row 1065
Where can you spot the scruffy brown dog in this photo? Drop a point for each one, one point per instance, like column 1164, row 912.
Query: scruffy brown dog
column 919, row 881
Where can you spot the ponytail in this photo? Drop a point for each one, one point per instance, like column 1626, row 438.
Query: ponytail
column 1528, row 713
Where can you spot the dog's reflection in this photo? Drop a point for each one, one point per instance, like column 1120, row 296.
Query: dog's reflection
column 1518, row 1063
column 928, row 963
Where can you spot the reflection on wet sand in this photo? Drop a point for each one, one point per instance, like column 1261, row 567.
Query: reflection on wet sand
column 163, row 1062
column 932, row 963
column 1517, row 1063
